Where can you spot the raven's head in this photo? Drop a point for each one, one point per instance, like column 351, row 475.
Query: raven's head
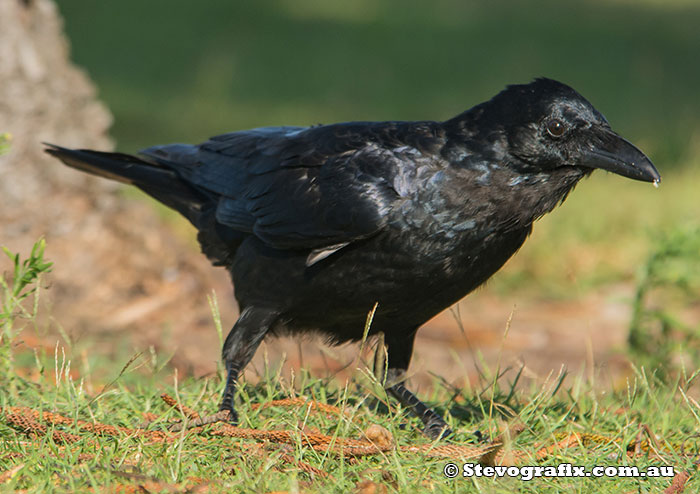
column 546, row 125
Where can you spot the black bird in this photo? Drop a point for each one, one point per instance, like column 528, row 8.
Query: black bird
column 317, row 224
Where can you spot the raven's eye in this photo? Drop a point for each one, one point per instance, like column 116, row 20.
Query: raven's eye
column 555, row 128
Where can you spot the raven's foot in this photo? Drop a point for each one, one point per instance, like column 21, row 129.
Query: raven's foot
column 228, row 413
column 435, row 426
column 437, row 429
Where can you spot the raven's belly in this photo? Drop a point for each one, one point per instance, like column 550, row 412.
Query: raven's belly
column 411, row 281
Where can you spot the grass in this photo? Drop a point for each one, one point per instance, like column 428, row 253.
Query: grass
column 5, row 139
column 670, row 282
column 173, row 72
column 227, row 65
column 119, row 390
column 601, row 235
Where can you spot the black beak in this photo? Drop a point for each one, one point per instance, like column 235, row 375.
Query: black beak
column 608, row 151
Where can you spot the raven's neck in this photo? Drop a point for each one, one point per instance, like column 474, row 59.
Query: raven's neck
column 513, row 192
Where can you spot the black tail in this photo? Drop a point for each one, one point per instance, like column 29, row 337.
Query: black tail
column 162, row 183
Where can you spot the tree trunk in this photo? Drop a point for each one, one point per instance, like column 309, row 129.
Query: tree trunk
column 116, row 267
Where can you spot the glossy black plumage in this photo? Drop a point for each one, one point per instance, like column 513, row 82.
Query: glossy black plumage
column 317, row 224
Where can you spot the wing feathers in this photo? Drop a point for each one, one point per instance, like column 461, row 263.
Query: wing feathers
column 316, row 188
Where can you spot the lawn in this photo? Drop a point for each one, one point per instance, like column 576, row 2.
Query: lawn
column 171, row 71
column 109, row 430
column 182, row 74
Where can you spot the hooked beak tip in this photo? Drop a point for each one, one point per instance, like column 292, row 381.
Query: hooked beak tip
column 617, row 155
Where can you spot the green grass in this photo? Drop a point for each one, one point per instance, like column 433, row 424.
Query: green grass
column 601, row 235
column 669, row 284
column 118, row 389
column 171, row 71
column 174, row 72
column 5, row 139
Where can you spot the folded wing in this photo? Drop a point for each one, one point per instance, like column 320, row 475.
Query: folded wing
column 316, row 188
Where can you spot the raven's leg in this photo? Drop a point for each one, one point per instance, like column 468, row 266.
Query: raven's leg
column 399, row 350
column 239, row 348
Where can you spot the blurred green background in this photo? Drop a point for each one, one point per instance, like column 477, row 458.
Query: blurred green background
column 177, row 70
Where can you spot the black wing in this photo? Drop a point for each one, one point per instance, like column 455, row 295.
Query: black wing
column 296, row 187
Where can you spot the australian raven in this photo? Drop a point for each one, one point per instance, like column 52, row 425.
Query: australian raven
column 317, row 224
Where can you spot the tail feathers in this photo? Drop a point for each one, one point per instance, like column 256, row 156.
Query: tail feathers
column 115, row 166
column 157, row 181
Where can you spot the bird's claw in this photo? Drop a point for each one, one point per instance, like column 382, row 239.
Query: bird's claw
column 232, row 417
column 437, row 430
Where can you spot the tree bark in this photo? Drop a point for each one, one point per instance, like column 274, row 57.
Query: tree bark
column 117, row 269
